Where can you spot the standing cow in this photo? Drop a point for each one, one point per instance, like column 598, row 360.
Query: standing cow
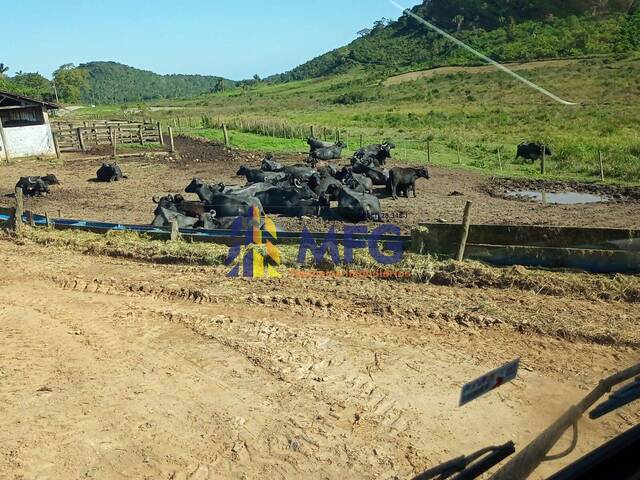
column 401, row 180
column 532, row 151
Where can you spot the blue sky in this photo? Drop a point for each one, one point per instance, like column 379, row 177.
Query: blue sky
column 235, row 39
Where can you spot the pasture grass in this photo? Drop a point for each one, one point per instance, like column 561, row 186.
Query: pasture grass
column 477, row 111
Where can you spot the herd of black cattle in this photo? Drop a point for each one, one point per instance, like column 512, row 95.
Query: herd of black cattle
column 302, row 190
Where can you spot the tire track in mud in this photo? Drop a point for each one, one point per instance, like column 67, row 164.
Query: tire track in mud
column 350, row 400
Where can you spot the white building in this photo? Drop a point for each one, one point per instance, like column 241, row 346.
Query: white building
column 25, row 130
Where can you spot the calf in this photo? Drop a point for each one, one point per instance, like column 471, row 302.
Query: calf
column 109, row 172
column 532, row 151
column 403, row 179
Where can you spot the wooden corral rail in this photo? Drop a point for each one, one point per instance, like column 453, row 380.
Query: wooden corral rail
column 84, row 136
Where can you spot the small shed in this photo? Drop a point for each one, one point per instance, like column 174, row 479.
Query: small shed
column 25, row 130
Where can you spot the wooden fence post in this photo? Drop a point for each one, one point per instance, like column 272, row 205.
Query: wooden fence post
column 175, row 231
column 466, row 221
column 499, row 159
column 160, row 134
column 47, row 220
column 172, row 147
column 32, row 221
column 361, row 140
column 60, row 213
column 543, row 166
column 4, row 143
column 313, row 134
column 458, row 150
column 114, row 141
column 141, row 133
column 56, row 145
column 80, row 139
column 601, row 165
column 324, row 133
column 16, row 222
column 225, row 134
column 428, row 152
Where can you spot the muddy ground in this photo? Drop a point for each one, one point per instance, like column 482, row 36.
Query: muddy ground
column 440, row 199
column 110, row 369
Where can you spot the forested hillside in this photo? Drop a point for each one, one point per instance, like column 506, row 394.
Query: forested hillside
column 516, row 30
column 110, row 82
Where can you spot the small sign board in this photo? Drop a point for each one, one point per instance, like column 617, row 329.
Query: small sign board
column 489, row 381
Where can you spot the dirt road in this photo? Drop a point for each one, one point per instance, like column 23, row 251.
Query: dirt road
column 115, row 369
column 441, row 198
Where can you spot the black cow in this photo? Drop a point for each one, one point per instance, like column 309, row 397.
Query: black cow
column 357, row 207
column 403, row 179
column 378, row 176
column 375, row 155
column 296, row 201
column 178, row 203
column 109, row 172
column 225, row 205
column 358, row 183
column 164, row 217
column 33, row 186
column 334, row 152
column 270, row 165
column 315, row 144
column 299, row 172
column 532, row 151
column 320, row 183
column 258, row 176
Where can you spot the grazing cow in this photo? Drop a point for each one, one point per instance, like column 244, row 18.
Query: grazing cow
column 357, row 207
column 315, row 144
column 33, row 186
column 375, row 155
column 270, row 165
column 50, row 179
column 109, row 172
column 401, row 180
column 334, row 152
column 226, row 205
column 532, row 151
column 258, row 176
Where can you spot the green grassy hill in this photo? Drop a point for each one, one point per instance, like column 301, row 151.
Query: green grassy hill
column 518, row 30
column 111, row 82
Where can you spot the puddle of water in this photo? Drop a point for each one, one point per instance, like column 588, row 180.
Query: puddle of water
column 559, row 198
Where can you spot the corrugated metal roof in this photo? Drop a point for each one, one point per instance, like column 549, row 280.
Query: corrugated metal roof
column 22, row 98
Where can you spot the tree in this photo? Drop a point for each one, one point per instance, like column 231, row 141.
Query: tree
column 364, row 32
column 71, row 82
column 256, row 78
column 32, row 85
column 3, row 69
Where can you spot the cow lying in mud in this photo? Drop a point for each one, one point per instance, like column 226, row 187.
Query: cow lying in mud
column 37, row 186
column 109, row 172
